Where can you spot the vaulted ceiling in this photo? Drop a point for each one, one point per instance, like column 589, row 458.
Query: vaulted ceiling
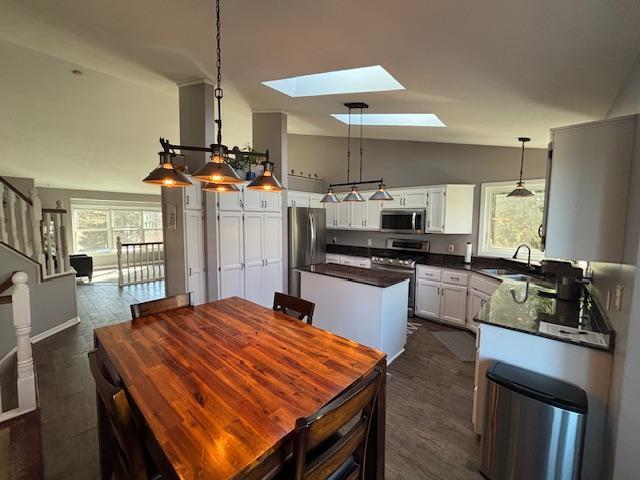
column 491, row 70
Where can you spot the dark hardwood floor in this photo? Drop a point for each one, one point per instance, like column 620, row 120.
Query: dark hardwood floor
column 429, row 396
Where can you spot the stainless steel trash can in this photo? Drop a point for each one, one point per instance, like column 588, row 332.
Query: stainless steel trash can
column 534, row 426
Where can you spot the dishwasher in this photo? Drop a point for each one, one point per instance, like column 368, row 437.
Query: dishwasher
column 534, row 426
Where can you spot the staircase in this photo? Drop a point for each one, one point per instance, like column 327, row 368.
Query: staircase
column 32, row 231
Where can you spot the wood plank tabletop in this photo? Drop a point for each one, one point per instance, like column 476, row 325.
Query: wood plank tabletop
column 221, row 385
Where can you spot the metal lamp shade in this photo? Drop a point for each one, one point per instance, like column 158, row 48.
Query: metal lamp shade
column 217, row 170
column 220, row 187
column 381, row 194
column 330, row 197
column 354, row 196
column 266, row 181
column 521, row 191
column 165, row 175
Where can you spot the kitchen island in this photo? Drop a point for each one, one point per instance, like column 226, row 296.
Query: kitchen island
column 367, row 306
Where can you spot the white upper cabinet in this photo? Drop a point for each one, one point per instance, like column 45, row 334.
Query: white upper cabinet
column 414, row 198
column 314, row 200
column 372, row 220
column 229, row 201
column 358, row 215
column 192, row 196
column 588, row 182
column 260, row 201
column 331, row 210
column 304, row 199
column 450, row 209
column 343, row 215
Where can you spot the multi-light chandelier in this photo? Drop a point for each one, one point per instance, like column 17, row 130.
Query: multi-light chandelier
column 355, row 195
column 217, row 174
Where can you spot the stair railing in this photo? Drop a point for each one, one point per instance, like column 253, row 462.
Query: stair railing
column 26, row 382
column 140, row 262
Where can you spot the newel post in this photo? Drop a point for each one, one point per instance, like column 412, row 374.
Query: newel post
column 63, row 237
column 36, row 229
column 120, row 276
column 22, row 323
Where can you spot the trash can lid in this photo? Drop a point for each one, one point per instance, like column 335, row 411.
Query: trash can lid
column 540, row 387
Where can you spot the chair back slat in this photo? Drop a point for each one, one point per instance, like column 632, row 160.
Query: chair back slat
column 348, row 450
column 130, row 455
column 161, row 305
column 288, row 305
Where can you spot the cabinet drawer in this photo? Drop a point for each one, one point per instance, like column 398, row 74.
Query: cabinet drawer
column 455, row 277
column 363, row 262
column 484, row 284
column 429, row 273
column 332, row 258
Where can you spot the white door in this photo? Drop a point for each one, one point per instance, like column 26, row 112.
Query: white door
column 415, row 198
column 475, row 302
column 253, row 200
column 358, row 215
column 194, row 235
column 272, row 201
column 343, row 215
column 272, row 280
column 253, row 256
column 435, row 210
column 374, row 207
column 397, row 202
column 230, row 201
column 332, row 215
column 428, row 299
column 192, row 196
column 453, row 307
column 230, row 254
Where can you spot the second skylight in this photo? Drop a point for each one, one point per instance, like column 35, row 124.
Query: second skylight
column 392, row 119
column 353, row 80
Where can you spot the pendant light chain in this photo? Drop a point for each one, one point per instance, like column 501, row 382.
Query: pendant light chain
column 361, row 149
column 218, row 90
column 349, row 147
column 521, row 161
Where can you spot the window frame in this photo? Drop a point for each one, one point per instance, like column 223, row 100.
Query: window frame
column 109, row 206
column 484, row 220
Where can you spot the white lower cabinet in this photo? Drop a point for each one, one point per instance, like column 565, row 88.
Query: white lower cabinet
column 453, row 306
column 475, row 301
column 250, row 255
column 362, row 262
column 428, row 299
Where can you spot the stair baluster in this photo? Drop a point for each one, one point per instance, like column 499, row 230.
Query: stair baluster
column 3, row 218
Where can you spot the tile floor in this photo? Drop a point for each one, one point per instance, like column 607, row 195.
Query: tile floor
column 429, row 431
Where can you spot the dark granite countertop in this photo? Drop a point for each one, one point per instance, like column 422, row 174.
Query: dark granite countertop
column 375, row 278
column 533, row 309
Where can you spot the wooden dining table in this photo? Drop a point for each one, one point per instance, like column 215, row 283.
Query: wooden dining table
column 217, row 388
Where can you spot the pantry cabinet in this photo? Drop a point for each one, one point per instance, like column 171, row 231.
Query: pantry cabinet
column 450, row 209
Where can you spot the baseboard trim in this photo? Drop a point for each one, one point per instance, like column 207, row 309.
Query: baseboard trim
column 394, row 357
column 45, row 334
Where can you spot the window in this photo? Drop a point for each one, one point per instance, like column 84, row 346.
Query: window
column 97, row 227
column 506, row 222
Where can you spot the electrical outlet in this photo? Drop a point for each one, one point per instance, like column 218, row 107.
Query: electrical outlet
column 335, row 239
column 368, row 241
column 452, row 248
column 617, row 301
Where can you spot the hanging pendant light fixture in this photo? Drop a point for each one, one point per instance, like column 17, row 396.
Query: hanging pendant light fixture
column 520, row 190
column 220, row 187
column 266, row 181
column 381, row 194
column 354, row 195
column 166, row 175
column 330, row 197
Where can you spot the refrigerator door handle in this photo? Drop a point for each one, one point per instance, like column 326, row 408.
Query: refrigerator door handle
column 312, row 223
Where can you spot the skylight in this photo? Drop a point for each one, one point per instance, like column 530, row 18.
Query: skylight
column 392, row 119
column 353, row 80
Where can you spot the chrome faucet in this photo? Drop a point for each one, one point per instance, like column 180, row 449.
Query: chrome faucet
column 515, row 255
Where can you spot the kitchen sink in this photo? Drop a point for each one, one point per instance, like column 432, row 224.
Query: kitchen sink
column 517, row 276
column 501, row 272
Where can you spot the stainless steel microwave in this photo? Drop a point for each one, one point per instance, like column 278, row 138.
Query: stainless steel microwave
column 402, row 221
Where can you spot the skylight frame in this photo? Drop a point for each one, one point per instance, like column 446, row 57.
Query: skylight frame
column 392, row 119
column 373, row 78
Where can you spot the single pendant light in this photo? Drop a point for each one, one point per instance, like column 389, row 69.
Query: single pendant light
column 381, row 194
column 166, row 175
column 266, row 181
column 217, row 169
column 354, row 195
column 220, row 187
column 330, row 197
column 520, row 190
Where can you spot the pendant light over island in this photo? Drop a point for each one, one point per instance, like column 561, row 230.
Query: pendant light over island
column 521, row 191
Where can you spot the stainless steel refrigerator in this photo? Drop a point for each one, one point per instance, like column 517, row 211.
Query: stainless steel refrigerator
column 307, row 241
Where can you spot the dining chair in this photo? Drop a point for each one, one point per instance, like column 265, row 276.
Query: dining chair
column 130, row 459
column 286, row 303
column 161, row 305
column 319, row 450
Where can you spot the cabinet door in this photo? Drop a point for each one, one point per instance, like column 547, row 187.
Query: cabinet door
column 272, row 201
column 343, row 215
column 253, row 256
column 397, row 202
column 331, row 258
column 358, row 215
column 253, row 200
column 192, row 196
column 475, row 302
column 415, row 198
column 230, row 254
column 453, row 307
column 428, row 299
column 314, row 200
column 374, row 207
column 272, row 280
column 194, row 236
column 435, row 210
column 332, row 215
column 230, row 201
